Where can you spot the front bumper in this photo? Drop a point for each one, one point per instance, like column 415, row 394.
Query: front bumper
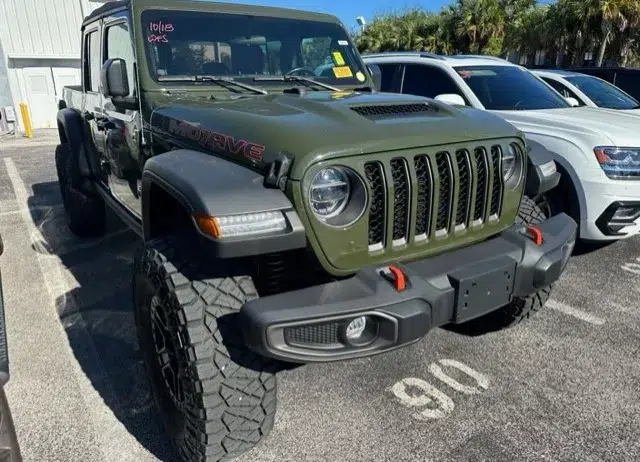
column 603, row 199
column 309, row 325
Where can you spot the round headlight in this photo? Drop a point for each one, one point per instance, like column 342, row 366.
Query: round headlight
column 511, row 166
column 329, row 193
column 337, row 196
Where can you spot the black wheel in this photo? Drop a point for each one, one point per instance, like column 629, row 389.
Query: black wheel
column 216, row 399
column 520, row 308
column 84, row 211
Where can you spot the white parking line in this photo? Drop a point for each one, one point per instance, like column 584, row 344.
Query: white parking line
column 39, row 208
column 114, row 441
column 575, row 312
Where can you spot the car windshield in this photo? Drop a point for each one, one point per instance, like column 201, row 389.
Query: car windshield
column 183, row 43
column 603, row 93
column 509, row 88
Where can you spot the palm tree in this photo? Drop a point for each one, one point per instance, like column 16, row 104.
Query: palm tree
column 482, row 21
column 608, row 13
column 630, row 34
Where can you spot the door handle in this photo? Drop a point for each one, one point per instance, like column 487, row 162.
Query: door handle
column 104, row 124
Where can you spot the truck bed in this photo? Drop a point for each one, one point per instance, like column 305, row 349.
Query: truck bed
column 73, row 96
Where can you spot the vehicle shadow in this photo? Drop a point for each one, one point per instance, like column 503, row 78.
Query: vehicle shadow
column 95, row 306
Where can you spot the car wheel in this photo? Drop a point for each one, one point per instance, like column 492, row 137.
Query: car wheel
column 216, row 398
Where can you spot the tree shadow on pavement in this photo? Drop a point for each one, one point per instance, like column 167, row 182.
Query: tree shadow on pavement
column 97, row 315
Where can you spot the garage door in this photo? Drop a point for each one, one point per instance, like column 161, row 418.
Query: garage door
column 40, row 96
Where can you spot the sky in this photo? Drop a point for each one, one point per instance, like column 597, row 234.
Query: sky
column 348, row 10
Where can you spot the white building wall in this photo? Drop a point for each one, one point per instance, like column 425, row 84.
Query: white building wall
column 41, row 41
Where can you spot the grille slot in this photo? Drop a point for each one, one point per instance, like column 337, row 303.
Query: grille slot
column 477, row 173
column 401, row 198
column 444, row 202
column 496, row 187
column 481, row 184
column 318, row 335
column 464, row 189
column 425, row 196
column 377, row 212
column 384, row 111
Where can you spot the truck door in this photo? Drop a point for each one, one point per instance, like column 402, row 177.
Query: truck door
column 122, row 126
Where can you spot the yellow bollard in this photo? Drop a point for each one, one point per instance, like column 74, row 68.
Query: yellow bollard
column 26, row 121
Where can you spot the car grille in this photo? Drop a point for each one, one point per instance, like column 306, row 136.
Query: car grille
column 454, row 190
column 315, row 335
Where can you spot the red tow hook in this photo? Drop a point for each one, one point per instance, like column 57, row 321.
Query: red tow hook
column 396, row 277
column 535, row 233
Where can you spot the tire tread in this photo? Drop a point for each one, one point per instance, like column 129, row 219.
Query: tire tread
column 234, row 390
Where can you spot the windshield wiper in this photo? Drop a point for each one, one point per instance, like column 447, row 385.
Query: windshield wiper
column 294, row 78
column 222, row 81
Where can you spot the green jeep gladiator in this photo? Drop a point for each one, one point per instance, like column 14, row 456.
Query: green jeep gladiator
column 289, row 211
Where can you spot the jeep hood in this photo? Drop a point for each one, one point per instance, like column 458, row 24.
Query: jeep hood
column 599, row 125
column 318, row 125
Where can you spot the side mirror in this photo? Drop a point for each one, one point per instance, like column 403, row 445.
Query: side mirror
column 376, row 75
column 451, row 98
column 113, row 77
column 572, row 101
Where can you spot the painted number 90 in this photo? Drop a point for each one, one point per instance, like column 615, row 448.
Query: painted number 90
column 437, row 403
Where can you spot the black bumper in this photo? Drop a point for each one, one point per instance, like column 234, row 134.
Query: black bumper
column 308, row 325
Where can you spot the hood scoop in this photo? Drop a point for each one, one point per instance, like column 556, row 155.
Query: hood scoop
column 389, row 111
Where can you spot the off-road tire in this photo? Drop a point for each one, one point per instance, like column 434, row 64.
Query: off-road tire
column 84, row 211
column 520, row 308
column 229, row 393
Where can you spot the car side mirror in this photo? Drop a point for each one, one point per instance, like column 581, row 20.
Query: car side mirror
column 572, row 101
column 376, row 75
column 115, row 84
column 451, row 98
column 114, row 79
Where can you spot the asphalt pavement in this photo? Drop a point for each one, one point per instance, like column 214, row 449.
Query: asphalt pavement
column 564, row 386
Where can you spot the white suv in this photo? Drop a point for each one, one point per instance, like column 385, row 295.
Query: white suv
column 597, row 151
column 589, row 90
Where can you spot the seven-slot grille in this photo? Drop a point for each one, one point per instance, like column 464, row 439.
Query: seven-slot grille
column 438, row 210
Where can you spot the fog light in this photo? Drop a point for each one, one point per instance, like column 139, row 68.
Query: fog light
column 356, row 328
column 360, row 331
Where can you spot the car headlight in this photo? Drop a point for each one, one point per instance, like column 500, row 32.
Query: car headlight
column 512, row 166
column 329, row 192
column 337, row 196
column 619, row 163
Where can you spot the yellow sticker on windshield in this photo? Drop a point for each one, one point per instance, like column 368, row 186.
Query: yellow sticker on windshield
column 360, row 76
column 341, row 94
column 342, row 72
column 337, row 58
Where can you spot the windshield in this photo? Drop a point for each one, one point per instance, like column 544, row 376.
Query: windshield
column 182, row 43
column 509, row 88
column 603, row 93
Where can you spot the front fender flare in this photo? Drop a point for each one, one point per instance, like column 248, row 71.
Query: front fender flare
column 542, row 175
column 208, row 185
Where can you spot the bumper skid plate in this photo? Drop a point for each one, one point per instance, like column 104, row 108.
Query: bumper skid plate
column 395, row 306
